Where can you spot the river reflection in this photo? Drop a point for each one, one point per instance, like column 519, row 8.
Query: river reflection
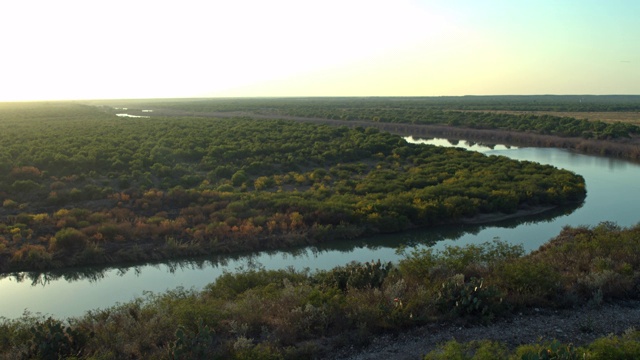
column 613, row 195
column 409, row 239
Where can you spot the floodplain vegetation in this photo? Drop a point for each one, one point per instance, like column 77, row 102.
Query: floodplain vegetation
column 599, row 125
column 79, row 186
column 294, row 314
column 545, row 115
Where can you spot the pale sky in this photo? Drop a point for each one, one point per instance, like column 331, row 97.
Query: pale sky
column 148, row 49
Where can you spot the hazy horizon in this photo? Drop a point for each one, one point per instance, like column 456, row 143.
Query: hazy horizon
column 75, row 50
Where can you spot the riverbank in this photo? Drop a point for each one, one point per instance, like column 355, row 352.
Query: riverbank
column 120, row 254
column 256, row 313
column 497, row 217
column 621, row 148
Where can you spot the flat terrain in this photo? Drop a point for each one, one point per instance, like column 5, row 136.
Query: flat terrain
column 608, row 117
column 578, row 326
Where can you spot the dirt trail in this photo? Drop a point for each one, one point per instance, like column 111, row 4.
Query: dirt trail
column 578, row 326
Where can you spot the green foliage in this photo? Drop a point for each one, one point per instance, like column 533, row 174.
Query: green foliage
column 426, row 265
column 529, row 282
column 550, row 351
column 229, row 185
column 194, row 345
column 472, row 298
column 229, row 285
column 239, row 178
column 69, row 239
column 357, row 275
column 474, row 350
column 626, row 346
column 51, row 340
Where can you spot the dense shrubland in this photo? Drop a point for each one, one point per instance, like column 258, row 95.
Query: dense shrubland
column 80, row 186
column 277, row 314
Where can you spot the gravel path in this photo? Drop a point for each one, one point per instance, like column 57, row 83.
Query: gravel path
column 577, row 326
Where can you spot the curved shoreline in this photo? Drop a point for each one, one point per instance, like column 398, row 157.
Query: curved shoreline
column 144, row 253
column 628, row 149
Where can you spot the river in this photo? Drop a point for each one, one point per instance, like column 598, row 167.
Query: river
column 613, row 194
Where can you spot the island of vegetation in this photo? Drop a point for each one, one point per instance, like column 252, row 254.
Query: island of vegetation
column 79, row 186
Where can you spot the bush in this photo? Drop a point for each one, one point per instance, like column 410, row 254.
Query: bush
column 528, row 282
column 194, row 345
column 229, row 286
column 356, row 275
column 426, row 265
column 554, row 350
column 476, row 350
column 470, row 298
column 626, row 346
column 32, row 257
column 69, row 239
column 52, row 340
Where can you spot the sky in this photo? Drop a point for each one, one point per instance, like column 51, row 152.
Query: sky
column 67, row 49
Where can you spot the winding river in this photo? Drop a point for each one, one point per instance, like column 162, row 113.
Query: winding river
column 613, row 195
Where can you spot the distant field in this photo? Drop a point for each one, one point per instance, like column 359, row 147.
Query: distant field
column 621, row 116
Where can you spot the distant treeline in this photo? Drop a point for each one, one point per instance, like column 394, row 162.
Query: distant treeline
column 451, row 111
column 569, row 103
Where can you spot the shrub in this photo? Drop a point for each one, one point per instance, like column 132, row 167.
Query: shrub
column 626, row 346
column 32, row 257
column 528, row 282
column 229, row 286
column 357, row 275
column 476, row 350
column 426, row 264
column 469, row 298
column 52, row 340
column 193, row 345
column 10, row 204
column 554, row 350
column 69, row 239
column 26, row 186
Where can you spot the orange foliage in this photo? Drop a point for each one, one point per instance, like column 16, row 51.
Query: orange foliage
column 25, row 172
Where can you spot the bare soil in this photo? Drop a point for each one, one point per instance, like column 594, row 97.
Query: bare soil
column 578, row 326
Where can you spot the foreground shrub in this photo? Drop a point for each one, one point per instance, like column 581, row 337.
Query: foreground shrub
column 476, row 350
column 527, row 282
column 51, row 339
column 194, row 345
column 470, row 298
column 429, row 266
column 626, row 346
column 356, row 275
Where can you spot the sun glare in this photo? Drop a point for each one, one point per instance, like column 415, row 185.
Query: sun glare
column 78, row 49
